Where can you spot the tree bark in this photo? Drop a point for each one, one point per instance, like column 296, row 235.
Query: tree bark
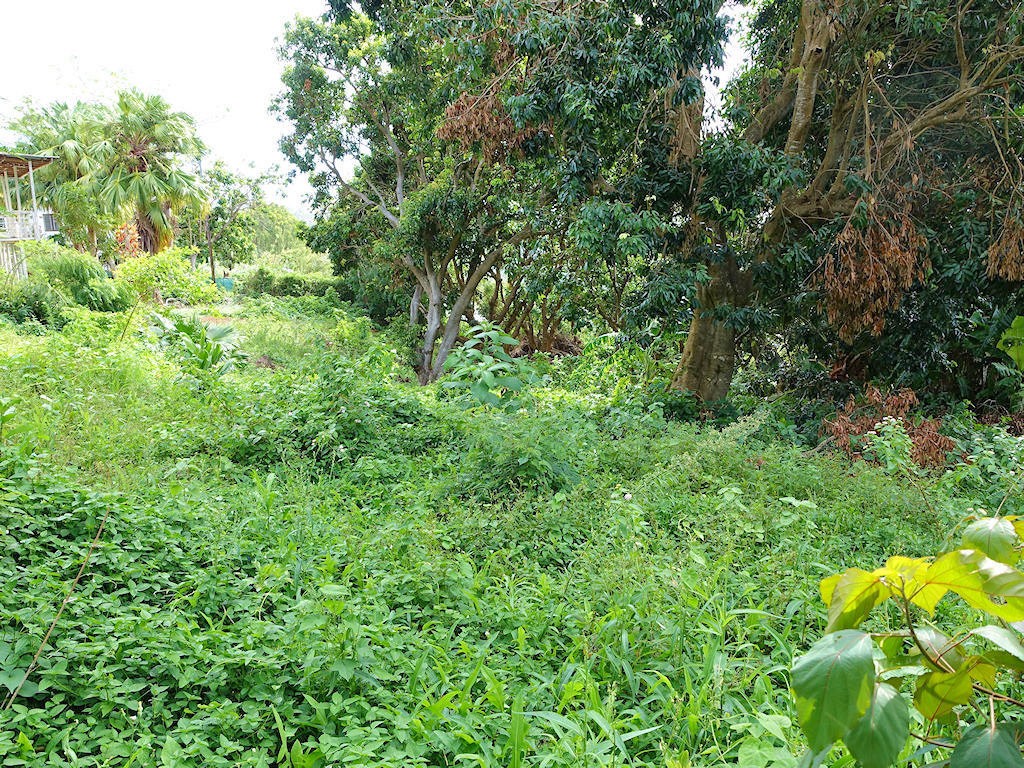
column 147, row 234
column 414, row 304
column 433, row 363
column 709, row 354
column 430, row 332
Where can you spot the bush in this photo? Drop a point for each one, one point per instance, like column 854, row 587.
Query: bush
column 205, row 349
column 31, row 300
column 167, row 275
column 520, row 455
column 79, row 278
column 263, row 281
column 485, row 369
column 367, row 287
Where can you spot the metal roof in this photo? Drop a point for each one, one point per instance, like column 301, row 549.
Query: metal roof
column 18, row 165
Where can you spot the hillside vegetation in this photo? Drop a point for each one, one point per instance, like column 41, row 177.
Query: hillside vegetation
column 304, row 559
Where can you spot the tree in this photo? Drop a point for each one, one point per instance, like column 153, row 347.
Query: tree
column 141, row 154
column 275, row 229
column 69, row 184
column 365, row 98
column 852, row 115
column 222, row 220
column 113, row 164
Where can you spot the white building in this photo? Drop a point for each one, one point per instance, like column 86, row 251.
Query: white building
column 21, row 218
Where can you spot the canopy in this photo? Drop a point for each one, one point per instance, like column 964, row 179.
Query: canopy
column 19, row 165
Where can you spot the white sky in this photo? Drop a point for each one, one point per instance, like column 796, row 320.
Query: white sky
column 214, row 59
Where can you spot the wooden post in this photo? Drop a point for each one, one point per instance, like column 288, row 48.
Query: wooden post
column 37, row 224
column 17, row 192
column 7, row 192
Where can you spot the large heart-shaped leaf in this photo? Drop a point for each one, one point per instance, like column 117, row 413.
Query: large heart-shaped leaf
column 995, row 536
column 985, row 747
column 833, row 683
column 878, row 737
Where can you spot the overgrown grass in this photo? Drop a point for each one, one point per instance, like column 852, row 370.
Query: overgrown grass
column 316, row 563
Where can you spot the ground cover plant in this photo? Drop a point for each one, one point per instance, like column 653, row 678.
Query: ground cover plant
column 314, row 561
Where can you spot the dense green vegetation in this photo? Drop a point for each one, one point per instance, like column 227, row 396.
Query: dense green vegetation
column 306, row 559
column 583, row 425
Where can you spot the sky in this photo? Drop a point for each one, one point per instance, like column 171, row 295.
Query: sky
column 214, row 59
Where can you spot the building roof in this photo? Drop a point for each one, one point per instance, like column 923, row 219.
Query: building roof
column 18, row 165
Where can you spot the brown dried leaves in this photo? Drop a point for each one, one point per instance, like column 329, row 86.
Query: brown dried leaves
column 1006, row 253
column 853, row 423
column 482, row 122
column 870, row 268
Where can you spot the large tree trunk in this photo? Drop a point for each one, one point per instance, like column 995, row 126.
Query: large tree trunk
column 430, row 331
column 709, row 355
column 147, row 234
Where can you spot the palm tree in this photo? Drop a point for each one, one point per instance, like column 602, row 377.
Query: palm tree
column 142, row 151
column 69, row 184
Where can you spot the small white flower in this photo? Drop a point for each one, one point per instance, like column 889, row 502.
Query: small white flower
column 627, row 496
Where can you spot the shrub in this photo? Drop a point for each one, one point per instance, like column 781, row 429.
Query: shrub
column 848, row 685
column 80, row 279
column 263, row 281
column 856, row 422
column 517, row 454
column 485, row 369
column 31, row 300
column 167, row 275
column 205, row 348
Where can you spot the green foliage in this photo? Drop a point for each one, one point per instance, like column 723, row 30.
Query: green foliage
column 80, row 279
column 206, row 348
column 521, row 458
column 1012, row 342
column 115, row 163
column 263, row 281
column 30, row 300
column 317, row 561
column 853, row 685
column 167, row 276
column 485, row 369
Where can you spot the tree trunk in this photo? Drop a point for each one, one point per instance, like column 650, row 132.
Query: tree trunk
column 414, row 304
column 709, row 355
column 451, row 335
column 430, row 332
column 147, row 234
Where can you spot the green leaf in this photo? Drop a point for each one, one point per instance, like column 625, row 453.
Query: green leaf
column 755, row 753
column 480, row 391
column 977, row 579
column 1005, row 639
column 1012, row 342
column 517, row 734
column 852, row 597
column 937, row 693
column 995, row 536
column 985, row 747
column 876, row 740
column 833, row 684
column 172, row 754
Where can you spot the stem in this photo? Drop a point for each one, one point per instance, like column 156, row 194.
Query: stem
column 934, row 742
column 939, row 662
